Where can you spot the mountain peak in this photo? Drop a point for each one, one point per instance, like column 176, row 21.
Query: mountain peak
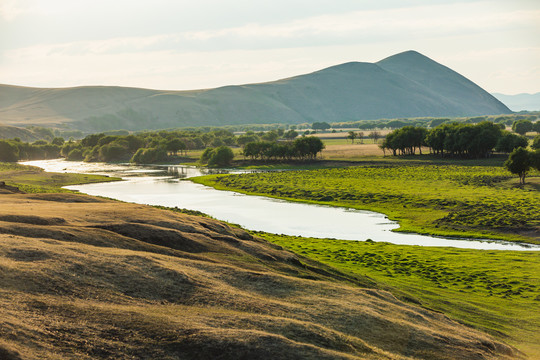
column 407, row 57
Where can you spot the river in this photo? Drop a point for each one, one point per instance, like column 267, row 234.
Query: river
column 166, row 185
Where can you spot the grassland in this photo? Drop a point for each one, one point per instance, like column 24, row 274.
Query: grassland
column 31, row 179
column 90, row 278
column 451, row 200
column 495, row 291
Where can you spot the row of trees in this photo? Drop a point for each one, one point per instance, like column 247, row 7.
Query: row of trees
column 15, row 150
column 506, row 120
column 303, row 148
column 454, row 139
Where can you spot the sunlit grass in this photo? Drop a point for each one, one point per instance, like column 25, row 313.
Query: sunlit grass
column 496, row 291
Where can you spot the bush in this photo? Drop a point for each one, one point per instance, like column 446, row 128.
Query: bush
column 75, row 155
column 218, row 157
column 149, row 156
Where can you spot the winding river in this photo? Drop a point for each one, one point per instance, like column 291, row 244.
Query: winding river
column 166, row 185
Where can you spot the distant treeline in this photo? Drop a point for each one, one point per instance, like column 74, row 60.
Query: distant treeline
column 507, row 120
column 459, row 139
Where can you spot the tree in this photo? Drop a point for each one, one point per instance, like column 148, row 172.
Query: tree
column 58, row 141
column 536, row 142
column 8, row 152
column 352, row 135
column 218, row 157
column 375, row 135
column 536, row 126
column 522, row 126
column 175, row 145
column 535, row 159
column 509, row 141
column 320, row 126
column 290, row 135
column 519, row 163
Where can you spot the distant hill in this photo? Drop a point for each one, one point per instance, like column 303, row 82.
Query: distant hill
column 10, row 132
column 519, row 102
column 404, row 85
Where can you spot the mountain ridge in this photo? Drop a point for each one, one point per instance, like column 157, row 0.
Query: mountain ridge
column 408, row 84
column 520, row 102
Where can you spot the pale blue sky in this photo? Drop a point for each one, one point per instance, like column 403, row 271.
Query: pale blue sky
column 180, row 45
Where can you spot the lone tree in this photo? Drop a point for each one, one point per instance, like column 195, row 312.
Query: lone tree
column 519, row 162
column 352, row 135
column 375, row 135
column 218, row 157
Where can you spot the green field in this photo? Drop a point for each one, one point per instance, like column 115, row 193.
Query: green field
column 427, row 198
column 495, row 291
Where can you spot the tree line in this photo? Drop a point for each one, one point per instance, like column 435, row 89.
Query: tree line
column 303, row 148
column 454, row 140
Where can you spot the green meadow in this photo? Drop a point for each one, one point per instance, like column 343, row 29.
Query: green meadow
column 445, row 199
column 495, row 291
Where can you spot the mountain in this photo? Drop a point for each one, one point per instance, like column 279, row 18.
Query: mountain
column 519, row 102
column 78, row 283
column 404, row 85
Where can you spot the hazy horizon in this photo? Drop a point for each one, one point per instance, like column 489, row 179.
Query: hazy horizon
column 180, row 45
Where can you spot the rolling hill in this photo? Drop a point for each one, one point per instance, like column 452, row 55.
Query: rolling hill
column 408, row 84
column 91, row 278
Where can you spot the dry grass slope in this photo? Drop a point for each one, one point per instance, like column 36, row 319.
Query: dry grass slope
column 89, row 278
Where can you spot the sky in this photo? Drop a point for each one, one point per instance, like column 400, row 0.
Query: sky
column 185, row 45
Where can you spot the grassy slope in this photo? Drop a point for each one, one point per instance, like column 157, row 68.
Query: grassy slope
column 90, row 278
column 495, row 291
column 451, row 200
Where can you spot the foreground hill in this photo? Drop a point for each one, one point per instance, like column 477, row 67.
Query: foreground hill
column 90, row 278
column 404, row 85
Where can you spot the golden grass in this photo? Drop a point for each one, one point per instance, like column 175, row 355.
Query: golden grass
column 89, row 278
column 350, row 151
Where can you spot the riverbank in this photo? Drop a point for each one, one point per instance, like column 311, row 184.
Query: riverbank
column 451, row 201
column 32, row 179
column 494, row 291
